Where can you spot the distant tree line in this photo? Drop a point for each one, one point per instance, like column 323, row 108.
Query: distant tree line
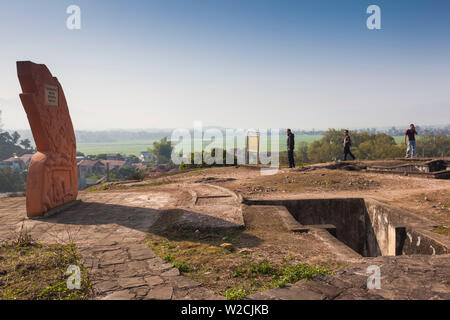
column 445, row 130
column 369, row 146
column 365, row 146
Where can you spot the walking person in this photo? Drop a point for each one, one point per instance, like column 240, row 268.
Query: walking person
column 347, row 144
column 290, row 148
column 411, row 145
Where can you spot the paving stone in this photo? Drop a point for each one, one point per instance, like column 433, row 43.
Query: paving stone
column 358, row 294
column 291, row 293
column 103, row 248
column 154, row 280
column 113, row 268
column 113, row 257
column 141, row 254
column 184, row 282
column 160, row 293
column 137, row 265
column 171, row 273
column 140, row 292
column 181, row 294
column 327, row 291
column 120, row 295
column 135, row 268
column 127, row 283
column 91, row 262
column 158, row 265
column 105, row 286
column 386, row 294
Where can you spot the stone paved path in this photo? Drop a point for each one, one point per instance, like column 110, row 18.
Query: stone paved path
column 109, row 229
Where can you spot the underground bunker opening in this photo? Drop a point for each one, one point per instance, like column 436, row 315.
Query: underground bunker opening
column 367, row 227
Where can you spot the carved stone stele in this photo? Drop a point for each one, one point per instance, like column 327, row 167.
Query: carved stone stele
column 52, row 175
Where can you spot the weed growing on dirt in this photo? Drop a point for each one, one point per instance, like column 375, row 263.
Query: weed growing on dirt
column 36, row 271
column 441, row 229
column 230, row 273
column 235, row 293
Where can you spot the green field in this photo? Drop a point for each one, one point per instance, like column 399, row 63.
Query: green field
column 137, row 146
column 124, row 147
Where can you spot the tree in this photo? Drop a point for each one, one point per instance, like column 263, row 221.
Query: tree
column 162, row 151
column 133, row 158
column 302, row 152
column 128, row 173
column 8, row 143
column 101, row 156
column 15, row 137
column 379, row 146
column 324, row 151
column 26, row 144
column 8, row 147
column 365, row 146
column 431, row 145
column 12, row 180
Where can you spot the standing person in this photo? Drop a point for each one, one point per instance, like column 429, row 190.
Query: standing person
column 347, row 144
column 290, row 148
column 411, row 134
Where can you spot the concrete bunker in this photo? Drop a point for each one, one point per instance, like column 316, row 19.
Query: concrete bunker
column 438, row 169
column 424, row 168
column 367, row 226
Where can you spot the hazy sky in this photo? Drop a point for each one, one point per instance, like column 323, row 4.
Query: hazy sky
column 240, row 64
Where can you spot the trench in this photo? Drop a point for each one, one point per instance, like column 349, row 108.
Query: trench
column 366, row 226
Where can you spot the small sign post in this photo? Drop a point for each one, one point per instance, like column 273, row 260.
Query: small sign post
column 252, row 146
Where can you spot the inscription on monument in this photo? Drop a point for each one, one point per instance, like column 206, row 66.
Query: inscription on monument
column 51, row 95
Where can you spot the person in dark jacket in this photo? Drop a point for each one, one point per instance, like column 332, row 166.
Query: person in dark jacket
column 347, row 144
column 411, row 145
column 290, row 148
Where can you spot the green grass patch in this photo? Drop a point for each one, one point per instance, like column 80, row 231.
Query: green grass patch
column 235, row 293
column 286, row 273
column 194, row 172
column 442, row 230
column 183, row 266
column 235, row 275
column 36, row 271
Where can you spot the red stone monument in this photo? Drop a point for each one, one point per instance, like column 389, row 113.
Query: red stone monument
column 52, row 174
